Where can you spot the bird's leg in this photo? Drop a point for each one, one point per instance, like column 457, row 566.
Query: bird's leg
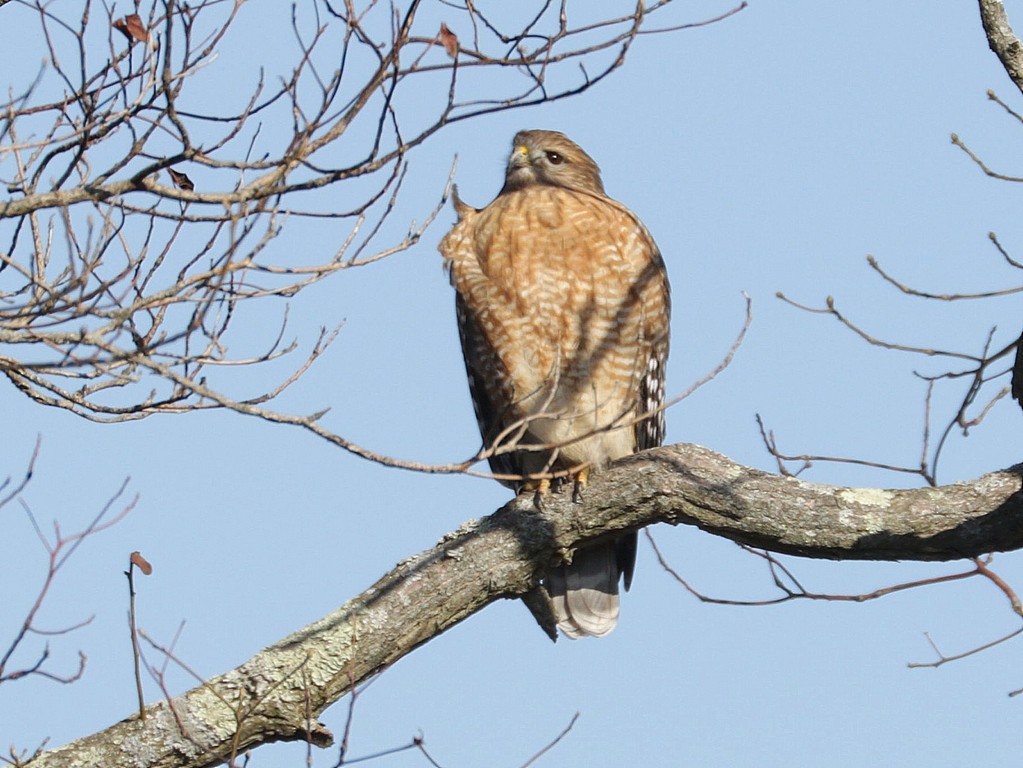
column 581, row 478
column 543, row 489
column 539, row 488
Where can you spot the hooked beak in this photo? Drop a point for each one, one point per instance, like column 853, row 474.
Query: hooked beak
column 519, row 157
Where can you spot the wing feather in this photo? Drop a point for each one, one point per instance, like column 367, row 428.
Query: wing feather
column 485, row 388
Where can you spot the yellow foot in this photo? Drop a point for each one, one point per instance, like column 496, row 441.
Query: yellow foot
column 539, row 488
column 581, row 478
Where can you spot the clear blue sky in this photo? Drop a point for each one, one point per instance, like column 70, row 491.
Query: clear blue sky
column 771, row 152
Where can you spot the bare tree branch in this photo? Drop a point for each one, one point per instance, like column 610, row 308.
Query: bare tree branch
column 504, row 555
column 976, row 371
column 59, row 546
column 1002, row 40
column 119, row 284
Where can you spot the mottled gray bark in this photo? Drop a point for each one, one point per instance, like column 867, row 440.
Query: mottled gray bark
column 1002, row 40
column 270, row 697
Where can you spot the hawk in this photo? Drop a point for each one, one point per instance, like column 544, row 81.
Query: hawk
column 563, row 309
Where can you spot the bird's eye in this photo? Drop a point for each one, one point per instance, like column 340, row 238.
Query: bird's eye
column 555, row 158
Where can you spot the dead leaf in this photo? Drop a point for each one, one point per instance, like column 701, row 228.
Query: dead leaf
column 131, row 26
column 141, row 563
column 181, row 181
column 449, row 40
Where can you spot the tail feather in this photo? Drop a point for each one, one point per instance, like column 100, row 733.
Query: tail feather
column 584, row 594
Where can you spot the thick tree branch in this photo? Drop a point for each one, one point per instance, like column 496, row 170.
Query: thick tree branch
column 1002, row 40
column 504, row 555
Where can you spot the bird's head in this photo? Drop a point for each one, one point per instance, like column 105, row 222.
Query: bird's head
column 550, row 158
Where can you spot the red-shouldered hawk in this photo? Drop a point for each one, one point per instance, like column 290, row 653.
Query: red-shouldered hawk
column 563, row 311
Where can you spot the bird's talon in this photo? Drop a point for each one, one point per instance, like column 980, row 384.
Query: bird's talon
column 540, row 489
column 538, row 500
column 582, row 477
